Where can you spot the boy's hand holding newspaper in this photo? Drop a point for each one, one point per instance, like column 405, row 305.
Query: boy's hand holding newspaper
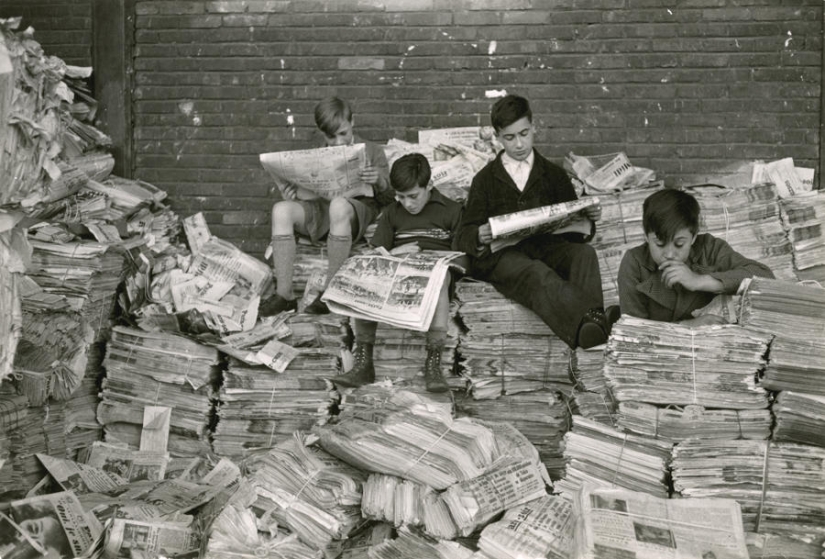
column 594, row 213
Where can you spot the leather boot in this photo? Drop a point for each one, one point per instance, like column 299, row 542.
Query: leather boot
column 432, row 371
column 363, row 372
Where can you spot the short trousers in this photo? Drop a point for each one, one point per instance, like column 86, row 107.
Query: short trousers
column 316, row 214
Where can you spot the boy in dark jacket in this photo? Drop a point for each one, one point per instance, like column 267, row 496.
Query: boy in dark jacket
column 556, row 276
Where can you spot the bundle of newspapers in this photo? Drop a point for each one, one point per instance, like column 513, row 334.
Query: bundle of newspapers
column 260, row 408
column 399, row 290
column 606, row 173
column 12, row 266
column 667, row 363
column 622, row 523
column 538, row 529
column 800, row 418
column 507, row 348
column 796, row 364
column 774, row 546
column 400, row 353
column 410, row 544
column 592, row 398
column 52, row 355
column 748, row 220
column 606, row 457
column 779, row 485
column 13, row 415
column 677, row 423
column 803, row 215
column 542, row 416
column 621, row 220
column 307, row 490
column 158, row 369
column 82, row 427
column 787, row 309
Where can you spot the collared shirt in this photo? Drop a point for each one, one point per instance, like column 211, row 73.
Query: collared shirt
column 643, row 294
column 519, row 170
column 432, row 228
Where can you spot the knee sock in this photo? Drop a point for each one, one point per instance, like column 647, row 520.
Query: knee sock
column 283, row 259
column 338, row 248
column 436, row 337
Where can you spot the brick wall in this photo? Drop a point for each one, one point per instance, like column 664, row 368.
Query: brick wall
column 685, row 87
column 62, row 27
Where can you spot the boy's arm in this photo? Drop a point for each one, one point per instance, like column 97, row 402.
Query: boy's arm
column 731, row 268
column 384, row 235
column 631, row 301
column 475, row 215
column 379, row 174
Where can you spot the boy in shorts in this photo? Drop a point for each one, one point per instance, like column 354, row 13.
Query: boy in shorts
column 421, row 219
column 342, row 221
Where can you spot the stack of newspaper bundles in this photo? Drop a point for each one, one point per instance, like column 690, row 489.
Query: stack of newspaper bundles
column 13, row 416
column 748, row 219
column 158, row 369
column 307, row 490
column 779, row 485
column 507, row 349
column 400, row 353
column 803, row 215
column 603, row 456
column 670, row 364
column 592, row 397
column 542, row 416
column 621, row 523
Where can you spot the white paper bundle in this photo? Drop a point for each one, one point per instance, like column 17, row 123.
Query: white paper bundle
column 666, row 363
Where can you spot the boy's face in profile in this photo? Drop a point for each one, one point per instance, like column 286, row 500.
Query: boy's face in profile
column 342, row 137
column 415, row 199
column 517, row 138
column 678, row 248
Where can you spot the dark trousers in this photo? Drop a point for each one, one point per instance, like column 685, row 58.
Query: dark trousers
column 557, row 279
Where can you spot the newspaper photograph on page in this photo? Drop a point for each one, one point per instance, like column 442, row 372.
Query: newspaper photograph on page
column 328, row 172
column 56, row 523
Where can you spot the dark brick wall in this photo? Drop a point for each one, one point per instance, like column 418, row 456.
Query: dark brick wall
column 686, row 87
column 62, row 27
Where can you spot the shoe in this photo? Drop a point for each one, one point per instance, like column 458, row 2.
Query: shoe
column 317, row 306
column 432, row 371
column 276, row 305
column 363, row 372
column 593, row 329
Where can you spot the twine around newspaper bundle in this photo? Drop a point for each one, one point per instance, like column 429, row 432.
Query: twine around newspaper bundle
column 764, row 485
column 426, row 452
column 67, row 268
column 621, row 215
column 619, row 460
column 693, row 363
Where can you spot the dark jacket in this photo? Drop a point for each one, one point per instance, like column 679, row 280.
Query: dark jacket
column 643, row 294
column 494, row 193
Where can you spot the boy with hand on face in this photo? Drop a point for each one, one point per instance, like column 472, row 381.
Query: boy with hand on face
column 421, row 219
column 677, row 271
column 342, row 220
column 556, row 276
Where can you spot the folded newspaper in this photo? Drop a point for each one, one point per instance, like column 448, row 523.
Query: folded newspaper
column 509, row 229
column 398, row 290
column 326, row 172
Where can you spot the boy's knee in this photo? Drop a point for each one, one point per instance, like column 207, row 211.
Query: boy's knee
column 285, row 216
column 341, row 211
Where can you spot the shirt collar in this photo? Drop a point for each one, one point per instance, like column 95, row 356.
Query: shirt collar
column 510, row 163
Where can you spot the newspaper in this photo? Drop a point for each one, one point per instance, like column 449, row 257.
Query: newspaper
column 398, row 290
column 787, row 178
column 133, row 465
column 81, row 478
column 56, row 523
column 197, row 231
column 327, row 172
column 276, row 355
column 622, row 523
column 135, row 538
column 509, row 229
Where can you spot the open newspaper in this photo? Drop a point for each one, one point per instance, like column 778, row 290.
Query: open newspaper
column 509, row 229
column 623, row 523
column 327, row 172
column 398, row 290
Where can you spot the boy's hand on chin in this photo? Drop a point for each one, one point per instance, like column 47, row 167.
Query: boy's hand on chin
column 676, row 273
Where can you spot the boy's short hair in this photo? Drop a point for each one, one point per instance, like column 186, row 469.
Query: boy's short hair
column 330, row 114
column 409, row 171
column 667, row 211
column 509, row 109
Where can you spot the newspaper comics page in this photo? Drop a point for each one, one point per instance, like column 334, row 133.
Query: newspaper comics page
column 326, row 172
column 402, row 291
